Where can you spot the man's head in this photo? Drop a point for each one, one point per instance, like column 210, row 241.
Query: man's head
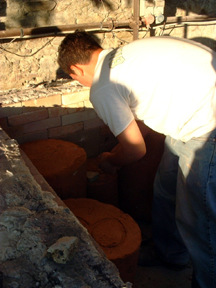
column 76, row 51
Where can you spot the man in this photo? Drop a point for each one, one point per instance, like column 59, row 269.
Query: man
column 167, row 84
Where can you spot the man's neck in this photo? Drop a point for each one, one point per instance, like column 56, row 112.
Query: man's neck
column 90, row 68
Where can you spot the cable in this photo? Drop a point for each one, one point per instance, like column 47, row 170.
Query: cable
column 30, row 55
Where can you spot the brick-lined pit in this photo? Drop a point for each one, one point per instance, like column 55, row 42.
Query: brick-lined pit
column 68, row 115
column 65, row 112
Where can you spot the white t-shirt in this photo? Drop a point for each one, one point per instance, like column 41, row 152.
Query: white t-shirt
column 168, row 83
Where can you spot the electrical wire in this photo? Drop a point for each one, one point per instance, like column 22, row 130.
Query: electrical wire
column 30, row 55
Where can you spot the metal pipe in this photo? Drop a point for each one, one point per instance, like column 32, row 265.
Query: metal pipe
column 136, row 23
column 59, row 30
column 97, row 26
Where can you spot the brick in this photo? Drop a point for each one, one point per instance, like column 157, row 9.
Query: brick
column 28, row 117
column 29, row 109
column 78, row 117
column 16, row 105
column 44, row 102
column 91, row 142
column 57, row 111
column 38, row 135
column 75, row 97
column 65, row 110
column 7, row 111
column 105, row 130
column 88, row 104
column 50, row 101
column 79, row 106
column 77, row 138
column 65, row 130
column 29, row 103
column 42, row 124
column 62, row 137
column 15, row 132
column 3, row 123
column 93, row 123
column 106, row 138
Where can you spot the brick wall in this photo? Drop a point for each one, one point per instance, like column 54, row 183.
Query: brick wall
column 68, row 116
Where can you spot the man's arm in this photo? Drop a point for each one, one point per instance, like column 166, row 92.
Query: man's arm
column 130, row 149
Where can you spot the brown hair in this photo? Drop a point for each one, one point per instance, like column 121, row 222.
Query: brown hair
column 76, row 48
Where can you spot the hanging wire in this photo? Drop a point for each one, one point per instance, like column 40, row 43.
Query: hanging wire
column 120, row 39
column 8, row 44
column 106, row 13
column 30, row 55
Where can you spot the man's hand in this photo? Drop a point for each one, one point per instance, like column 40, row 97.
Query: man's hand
column 106, row 165
column 131, row 148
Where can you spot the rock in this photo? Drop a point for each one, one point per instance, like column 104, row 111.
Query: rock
column 92, row 176
column 63, row 250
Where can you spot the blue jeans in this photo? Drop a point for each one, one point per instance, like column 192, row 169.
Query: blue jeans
column 184, row 206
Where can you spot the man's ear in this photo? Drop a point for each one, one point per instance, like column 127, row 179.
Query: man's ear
column 77, row 69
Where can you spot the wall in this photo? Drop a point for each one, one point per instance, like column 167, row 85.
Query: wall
column 58, row 113
column 29, row 62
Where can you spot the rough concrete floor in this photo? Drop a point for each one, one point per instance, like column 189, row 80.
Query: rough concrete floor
column 160, row 277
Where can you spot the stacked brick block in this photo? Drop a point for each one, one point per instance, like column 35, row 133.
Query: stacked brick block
column 67, row 116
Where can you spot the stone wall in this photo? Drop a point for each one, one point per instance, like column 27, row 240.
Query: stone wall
column 27, row 62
